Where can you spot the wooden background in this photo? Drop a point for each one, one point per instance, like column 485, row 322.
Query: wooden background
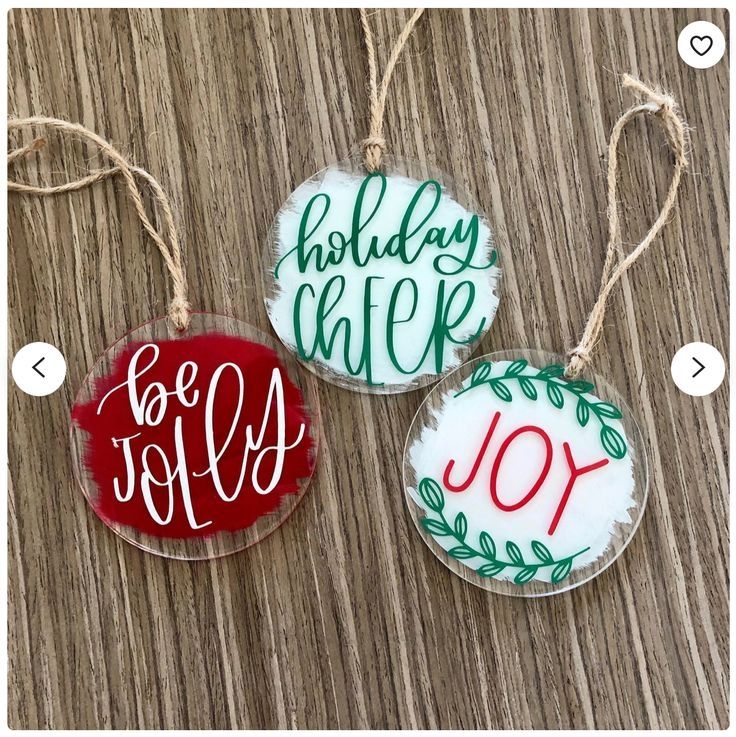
column 344, row 618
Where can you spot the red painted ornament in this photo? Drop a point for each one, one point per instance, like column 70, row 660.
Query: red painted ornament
column 194, row 444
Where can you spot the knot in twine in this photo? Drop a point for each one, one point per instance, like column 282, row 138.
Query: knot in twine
column 373, row 149
column 374, row 145
column 665, row 111
column 179, row 310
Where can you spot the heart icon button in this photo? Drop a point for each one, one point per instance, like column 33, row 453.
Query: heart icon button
column 701, row 45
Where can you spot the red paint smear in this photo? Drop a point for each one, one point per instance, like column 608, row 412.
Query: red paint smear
column 104, row 462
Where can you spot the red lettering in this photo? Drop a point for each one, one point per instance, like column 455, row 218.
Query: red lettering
column 479, row 458
column 542, row 476
column 575, row 473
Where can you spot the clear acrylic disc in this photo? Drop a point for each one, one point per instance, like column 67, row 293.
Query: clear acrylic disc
column 380, row 283
column 521, row 482
column 195, row 444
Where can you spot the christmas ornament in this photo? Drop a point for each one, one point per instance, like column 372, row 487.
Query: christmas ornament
column 194, row 435
column 379, row 275
column 526, row 473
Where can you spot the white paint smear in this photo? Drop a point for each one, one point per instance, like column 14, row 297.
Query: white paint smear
column 383, row 274
column 599, row 501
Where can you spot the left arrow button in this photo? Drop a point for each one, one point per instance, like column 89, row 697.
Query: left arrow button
column 39, row 369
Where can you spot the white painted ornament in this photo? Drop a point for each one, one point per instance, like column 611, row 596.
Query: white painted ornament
column 380, row 274
column 525, row 473
column 381, row 281
column 521, row 481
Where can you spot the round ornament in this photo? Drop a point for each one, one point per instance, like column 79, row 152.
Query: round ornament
column 380, row 274
column 194, row 443
column 525, row 473
column 194, row 435
column 380, row 281
column 521, row 481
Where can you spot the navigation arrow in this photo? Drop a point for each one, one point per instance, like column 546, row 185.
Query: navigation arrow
column 36, row 369
column 702, row 367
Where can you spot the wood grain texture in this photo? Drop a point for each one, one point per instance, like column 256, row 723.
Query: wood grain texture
column 344, row 618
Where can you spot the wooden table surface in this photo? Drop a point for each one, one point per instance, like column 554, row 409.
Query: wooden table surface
column 344, row 618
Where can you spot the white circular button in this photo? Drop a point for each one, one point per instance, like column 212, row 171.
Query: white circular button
column 698, row 369
column 39, row 369
column 701, row 44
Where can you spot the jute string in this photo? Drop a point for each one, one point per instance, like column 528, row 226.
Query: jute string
column 374, row 145
column 179, row 310
column 665, row 111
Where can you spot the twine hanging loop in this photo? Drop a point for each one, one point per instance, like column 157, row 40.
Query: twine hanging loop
column 179, row 310
column 664, row 110
column 374, row 145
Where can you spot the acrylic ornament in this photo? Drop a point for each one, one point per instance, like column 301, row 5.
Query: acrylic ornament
column 197, row 443
column 380, row 281
column 520, row 481
column 380, row 274
column 526, row 473
column 194, row 436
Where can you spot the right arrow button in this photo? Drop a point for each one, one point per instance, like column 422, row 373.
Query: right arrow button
column 701, row 367
column 698, row 369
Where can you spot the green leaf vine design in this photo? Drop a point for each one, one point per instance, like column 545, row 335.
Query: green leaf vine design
column 432, row 495
column 555, row 386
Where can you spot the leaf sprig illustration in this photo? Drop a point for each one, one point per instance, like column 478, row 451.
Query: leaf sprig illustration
column 554, row 387
column 431, row 494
